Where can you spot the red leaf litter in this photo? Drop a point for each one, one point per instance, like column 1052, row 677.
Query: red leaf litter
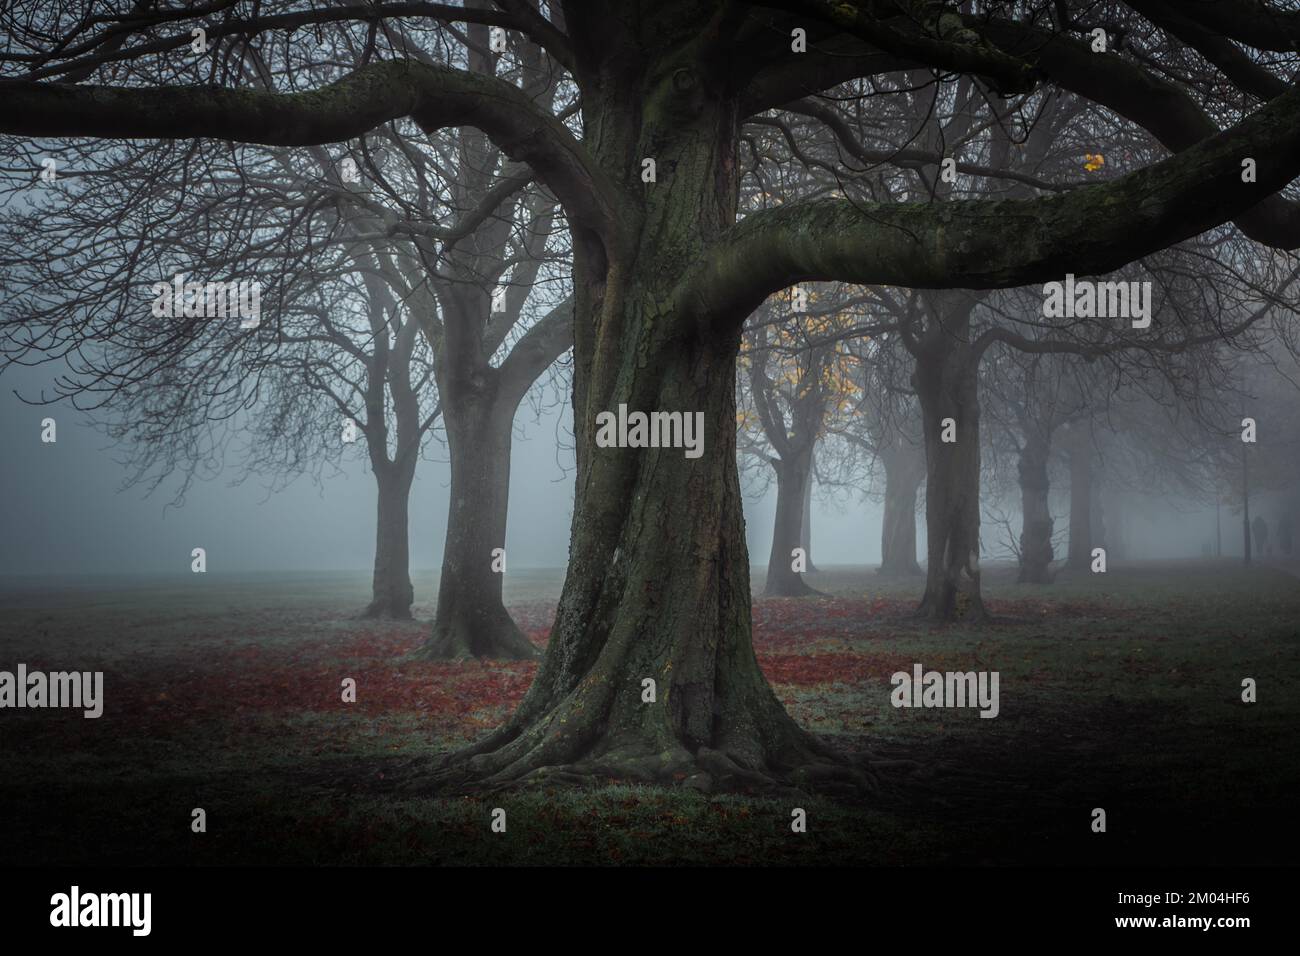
column 249, row 672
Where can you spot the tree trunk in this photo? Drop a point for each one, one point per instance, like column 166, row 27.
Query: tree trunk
column 389, row 369
column 657, row 589
column 1036, row 533
column 792, row 478
column 1245, row 501
column 658, row 586
column 391, row 589
column 1218, row 527
column 1116, row 540
column 471, row 619
column 805, row 536
column 1097, row 519
column 1080, row 550
column 904, row 469
column 947, row 386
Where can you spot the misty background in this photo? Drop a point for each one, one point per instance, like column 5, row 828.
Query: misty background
column 64, row 510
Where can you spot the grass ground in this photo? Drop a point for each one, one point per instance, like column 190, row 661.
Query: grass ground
column 1119, row 691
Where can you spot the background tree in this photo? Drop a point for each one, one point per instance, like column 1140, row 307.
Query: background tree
column 884, row 434
column 1031, row 396
column 425, row 234
column 328, row 351
column 798, row 374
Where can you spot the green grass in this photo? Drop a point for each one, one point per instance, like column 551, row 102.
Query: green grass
column 1120, row 691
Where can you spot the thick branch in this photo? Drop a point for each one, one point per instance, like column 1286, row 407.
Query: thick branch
column 548, row 339
column 526, row 21
column 1160, row 107
column 435, row 97
column 1003, row 243
column 926, row 31
column 827, row 65
column 905, row 158
column 1252, row 22
column 1240, row 69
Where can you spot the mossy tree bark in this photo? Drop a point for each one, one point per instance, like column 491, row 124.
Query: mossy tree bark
column 658, row 583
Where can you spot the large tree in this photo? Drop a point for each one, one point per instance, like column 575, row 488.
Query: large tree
column 665, row 272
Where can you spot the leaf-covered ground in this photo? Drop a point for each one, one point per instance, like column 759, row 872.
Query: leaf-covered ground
column 1119, row 691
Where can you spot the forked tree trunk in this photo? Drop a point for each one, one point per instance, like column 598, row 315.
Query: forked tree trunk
column 658, row 587
column 904, row 471
column 471, row 619
column 1036, row 531
column 392, row 594
column 792, row 480
column 389, row 372
column 947, row 387
column 1080, row 550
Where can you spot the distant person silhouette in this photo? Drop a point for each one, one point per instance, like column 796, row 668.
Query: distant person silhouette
column 1259, row 532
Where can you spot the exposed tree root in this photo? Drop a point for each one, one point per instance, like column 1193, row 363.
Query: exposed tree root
column 793, row 587
column 822, row 770
column 895, row 572
column 492, row 637
column 385, row 611
column 965, row 606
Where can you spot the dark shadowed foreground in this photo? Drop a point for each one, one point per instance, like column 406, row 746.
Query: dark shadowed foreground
column 1121, row 692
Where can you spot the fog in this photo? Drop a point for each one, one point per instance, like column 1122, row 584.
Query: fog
column 65, row 509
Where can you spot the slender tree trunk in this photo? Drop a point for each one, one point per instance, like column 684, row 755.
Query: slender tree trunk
column 471, row 619
column 904, row 470
column 946, row 384
column 650, row 674
column 1116, row 540
column 805, row 536
column 388, row 372
column 392, row 594
column 1097, row 519
column 1218, row 527
column 1036, row 533
column 792, row 478
column 1080, row 550
column 1245, row 501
